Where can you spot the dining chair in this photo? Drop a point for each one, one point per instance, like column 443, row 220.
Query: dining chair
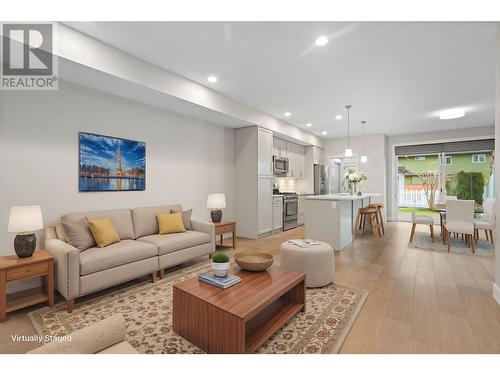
column 460, row 219
column 421, row 219
column 442, row 214
column 487, row 221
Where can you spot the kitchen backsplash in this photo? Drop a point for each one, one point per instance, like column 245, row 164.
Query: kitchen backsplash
column 294, row 185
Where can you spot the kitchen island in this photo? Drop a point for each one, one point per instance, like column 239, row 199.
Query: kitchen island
column 331, row 218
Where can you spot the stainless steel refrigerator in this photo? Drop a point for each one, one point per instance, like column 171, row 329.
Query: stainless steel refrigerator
column 327, row 179
column 321, row 183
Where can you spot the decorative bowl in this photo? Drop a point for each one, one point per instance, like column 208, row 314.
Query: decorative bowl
column 254, row 261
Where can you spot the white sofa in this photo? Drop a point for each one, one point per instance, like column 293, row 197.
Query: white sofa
column 105, row 337
column 141, row 250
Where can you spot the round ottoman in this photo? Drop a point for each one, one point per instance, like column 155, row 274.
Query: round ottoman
column 315, row 261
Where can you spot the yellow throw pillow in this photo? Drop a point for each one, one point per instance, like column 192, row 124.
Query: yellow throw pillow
column 103, row 232
column 170, row 223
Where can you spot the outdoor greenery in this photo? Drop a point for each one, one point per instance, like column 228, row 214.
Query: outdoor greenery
column 220, row 257
column 469, row 185
column 422, row 211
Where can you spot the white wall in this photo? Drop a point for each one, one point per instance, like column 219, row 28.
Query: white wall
column 375, row 168
column 457, row 134
column 185, row 159
column 496, row 285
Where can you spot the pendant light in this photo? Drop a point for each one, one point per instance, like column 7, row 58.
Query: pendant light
column 364, row 158
column 348, row 150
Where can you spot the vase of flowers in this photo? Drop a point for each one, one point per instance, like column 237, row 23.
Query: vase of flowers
column 353, row 178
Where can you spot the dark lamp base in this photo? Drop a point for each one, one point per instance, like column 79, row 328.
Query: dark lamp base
column 216, row 216
column 24, row 245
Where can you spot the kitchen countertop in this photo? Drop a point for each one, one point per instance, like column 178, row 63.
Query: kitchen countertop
column 343, row 197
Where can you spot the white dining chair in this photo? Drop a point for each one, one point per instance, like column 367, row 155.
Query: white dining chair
column 442, row 214
column 460, row 219
column 487, row 221
column 424, row 220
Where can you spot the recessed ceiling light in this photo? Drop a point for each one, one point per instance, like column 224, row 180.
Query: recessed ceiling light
column 452, row 113
column 324, row 132
column 309, row 124
column 321, row 41
column 338, row 117
column 212, row 79
column 287, row 114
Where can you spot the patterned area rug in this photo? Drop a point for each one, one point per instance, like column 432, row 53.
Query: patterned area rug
column 147, row 308
column 423, row 240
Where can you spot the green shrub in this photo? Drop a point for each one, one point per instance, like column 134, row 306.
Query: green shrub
column 470, row 185
column 220, row 258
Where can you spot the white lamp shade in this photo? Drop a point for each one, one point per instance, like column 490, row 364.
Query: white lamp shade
column 364, row 158
column 348, row 152
column 25, row 219
column 216, row 201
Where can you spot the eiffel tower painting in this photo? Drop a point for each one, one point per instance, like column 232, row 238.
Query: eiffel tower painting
column 111, row 164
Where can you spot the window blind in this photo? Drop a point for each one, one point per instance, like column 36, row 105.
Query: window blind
column 448, row 147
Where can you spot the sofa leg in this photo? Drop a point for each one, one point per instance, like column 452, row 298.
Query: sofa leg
column 153, row 277
column 69, row 305
column 162, row 273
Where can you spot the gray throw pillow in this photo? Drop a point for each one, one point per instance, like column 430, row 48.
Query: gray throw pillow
column 186, row 218
column 78, row 234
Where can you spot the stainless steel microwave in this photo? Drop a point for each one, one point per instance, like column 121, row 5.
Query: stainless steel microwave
column 280, row 165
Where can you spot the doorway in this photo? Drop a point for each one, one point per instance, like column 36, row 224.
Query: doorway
column 464, row 170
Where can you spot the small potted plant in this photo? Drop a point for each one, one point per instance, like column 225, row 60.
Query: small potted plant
column 220, row 264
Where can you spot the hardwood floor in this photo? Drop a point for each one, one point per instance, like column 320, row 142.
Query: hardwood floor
column 419, row 301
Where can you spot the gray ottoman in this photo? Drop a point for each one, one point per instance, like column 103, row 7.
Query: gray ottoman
column 315, row 261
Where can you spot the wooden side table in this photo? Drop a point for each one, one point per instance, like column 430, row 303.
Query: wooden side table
column 226, row 227
column 12, row 268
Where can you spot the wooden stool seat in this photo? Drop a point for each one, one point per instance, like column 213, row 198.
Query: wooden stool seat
column 370, row 213
column 380, row 220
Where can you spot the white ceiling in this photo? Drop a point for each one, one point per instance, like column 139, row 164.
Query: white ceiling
column 396, row 75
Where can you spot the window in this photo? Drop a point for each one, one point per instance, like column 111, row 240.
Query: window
column 448, row 160
column 419, row 157
column 478, row 158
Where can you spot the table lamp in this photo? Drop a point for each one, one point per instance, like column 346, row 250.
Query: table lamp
column 216, row 202
column 25, row 220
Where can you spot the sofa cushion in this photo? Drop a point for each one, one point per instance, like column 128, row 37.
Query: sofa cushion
column 121, row 219
column 168, row 243
column 127, row 251
column 144, row 218
column 103, row 232
column 78, row 234
column 121, row 348
column 186, row 218
column 170, row 223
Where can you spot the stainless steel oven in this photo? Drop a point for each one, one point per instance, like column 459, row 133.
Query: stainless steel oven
column 290, row 211
column 280, row 165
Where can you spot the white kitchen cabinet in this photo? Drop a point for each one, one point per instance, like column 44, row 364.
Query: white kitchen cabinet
column 265, row 204
column 279, row 148
column 301, row 210
column 319, row 156
column 296, row 157
column 277, row 214
column 265, row 152
column 253, row 182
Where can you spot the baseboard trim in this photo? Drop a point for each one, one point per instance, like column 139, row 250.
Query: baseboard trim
column 496, row 293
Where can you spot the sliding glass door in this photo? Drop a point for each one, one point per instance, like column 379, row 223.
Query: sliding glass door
column 419, row 184
column 456, row 169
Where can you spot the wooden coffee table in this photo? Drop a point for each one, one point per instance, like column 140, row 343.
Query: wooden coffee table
column 241, row 318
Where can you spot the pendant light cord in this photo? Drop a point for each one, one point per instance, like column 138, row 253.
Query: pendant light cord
column 364, row 140
column 348, row 107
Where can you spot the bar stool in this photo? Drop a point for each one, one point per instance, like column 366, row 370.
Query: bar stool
column 369, row 213
column 380, row 220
